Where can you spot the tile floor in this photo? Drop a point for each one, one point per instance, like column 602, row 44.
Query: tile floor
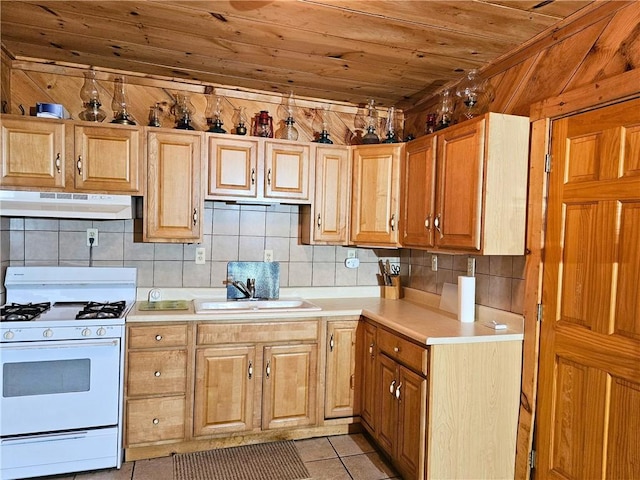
column 340, row 457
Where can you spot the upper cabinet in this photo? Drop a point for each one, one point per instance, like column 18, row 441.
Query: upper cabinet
column 375, row 195
column 33, row 153
column 325, row 221
column 108, row 159
column 258, row 169
column 480, row 187
column 173, row 204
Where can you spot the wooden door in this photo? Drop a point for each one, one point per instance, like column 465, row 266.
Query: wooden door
column 33, row 153
column 460, row 175
column 367, row 336
column 173, row 200
column 340, row 369
column 331, row 205
column 287, row 171
column 374, row 195
column 233, row 167
column 108, row 159
column 224, row 391
column 387, row 421
column 418, row 192
column 588, row 423
column 412, row 400
column 290, row 381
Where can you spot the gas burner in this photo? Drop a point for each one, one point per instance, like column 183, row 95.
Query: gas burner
column 22, row 312
column 102, row 310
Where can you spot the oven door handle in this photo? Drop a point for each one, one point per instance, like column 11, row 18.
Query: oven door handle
column 114, row 342
column 47, row 437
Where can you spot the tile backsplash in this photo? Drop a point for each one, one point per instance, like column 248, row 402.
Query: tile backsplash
column 242, row 233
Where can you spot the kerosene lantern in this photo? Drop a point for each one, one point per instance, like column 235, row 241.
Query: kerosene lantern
column 445, row 110
column 289, row 131
column 323, row 137
column 391, row 126
column 372, row 122
column 214, row 114
column 183, row 110
column 240, row 120
column 262, row 125
column 91, row 99
column 469, row 91
column 119, row 103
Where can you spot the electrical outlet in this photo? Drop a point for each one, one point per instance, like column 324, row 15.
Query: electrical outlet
column 92, row 233
column 351, row 253
column 434, row 263
column 471, row 267
column 200, row 255
column 268, row 255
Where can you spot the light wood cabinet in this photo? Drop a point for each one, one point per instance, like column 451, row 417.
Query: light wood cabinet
column 173, row 201
column 477, row 201
column 258, row 169
column 33, row 153
column 367, row 338
column 156, row 384
column 108, row 159
column 375, row 215
column 340, row 369
column 326, row 220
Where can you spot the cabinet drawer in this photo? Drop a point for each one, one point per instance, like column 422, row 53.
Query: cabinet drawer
column 156, row 372
column 257, row 332
column 403, row 351
column 150, row 336
column 155, row 419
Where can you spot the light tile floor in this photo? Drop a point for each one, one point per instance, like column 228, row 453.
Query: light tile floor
column 340, row 457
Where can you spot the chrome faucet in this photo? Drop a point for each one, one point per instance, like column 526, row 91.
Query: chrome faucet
column 248, row 290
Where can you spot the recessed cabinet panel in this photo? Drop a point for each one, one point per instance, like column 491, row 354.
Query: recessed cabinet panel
column 340, row 378
column 233, row 167
column 287, row 170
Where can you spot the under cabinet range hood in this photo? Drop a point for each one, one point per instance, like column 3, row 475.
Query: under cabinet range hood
column 65, row 205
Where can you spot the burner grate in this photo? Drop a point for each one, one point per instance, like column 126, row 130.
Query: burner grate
column 22, row 312
column 102, row 310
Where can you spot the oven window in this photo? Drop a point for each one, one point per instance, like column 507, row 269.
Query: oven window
column 46, row 377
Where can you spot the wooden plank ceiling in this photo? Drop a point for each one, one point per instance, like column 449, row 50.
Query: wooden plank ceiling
column 394, row 51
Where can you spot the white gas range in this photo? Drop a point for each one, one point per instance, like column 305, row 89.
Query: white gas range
column 62, row 352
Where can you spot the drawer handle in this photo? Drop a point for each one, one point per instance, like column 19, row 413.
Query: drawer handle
column 371, row 350
column 331, row 343
column 253, row 176
column 158, row 338
column 392, row 387
column 269, row 177
column 398, row 391
column 438, row 224
column 319, row 222
column 195, row 217
column 156, row 374
column 396, row 349
column 268, row 369
column 58, row 162
column 79, row 164
column 427, row 222
column 156, row 421
column 392, row 222
column 250, row 370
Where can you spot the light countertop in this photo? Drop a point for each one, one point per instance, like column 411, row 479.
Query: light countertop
column 416, row 316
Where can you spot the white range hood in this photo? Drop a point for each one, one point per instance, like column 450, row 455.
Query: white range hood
column 65, row 205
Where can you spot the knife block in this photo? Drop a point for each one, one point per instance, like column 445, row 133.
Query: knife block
column 393, row 291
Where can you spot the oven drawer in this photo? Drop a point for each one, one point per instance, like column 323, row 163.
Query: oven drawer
column 403, row 351
column 156, row 372
column 154, row 420
column 151, row 336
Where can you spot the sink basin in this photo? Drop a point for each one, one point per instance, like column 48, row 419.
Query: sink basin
column 252, row 306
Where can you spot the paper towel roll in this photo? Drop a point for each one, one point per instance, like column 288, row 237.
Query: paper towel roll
column 466, row 299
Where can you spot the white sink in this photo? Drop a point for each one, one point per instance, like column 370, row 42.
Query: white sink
column 253, row 306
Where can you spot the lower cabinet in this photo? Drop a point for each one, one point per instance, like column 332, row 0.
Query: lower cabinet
column 341, row 382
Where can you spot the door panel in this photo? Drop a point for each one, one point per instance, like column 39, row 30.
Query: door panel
column 590, row 334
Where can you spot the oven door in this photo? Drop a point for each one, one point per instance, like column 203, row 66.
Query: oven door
column 59, row 385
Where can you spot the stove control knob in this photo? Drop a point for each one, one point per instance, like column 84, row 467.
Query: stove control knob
column 86, row 332
column 8, row 335
column 101, row 331
column 48, row 333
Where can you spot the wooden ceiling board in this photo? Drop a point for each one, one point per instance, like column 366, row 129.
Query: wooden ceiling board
column 555, row 9
column 395, row 51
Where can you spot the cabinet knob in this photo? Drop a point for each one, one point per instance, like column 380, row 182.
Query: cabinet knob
column 331, row 343
column 437, row 222
column 58, row 163
column 79, row 164
column 250, row 370
column 398, row 391
column 253, row 176
column 268, row 369
column 427, row 222
column 392, row 388
column 156, row 374
column 158, row 338
column 396, row 349
column 269, row 177
column 371, row 349
column 319, row 222
column 195, row 216
column 156, row 421
column 392, row 222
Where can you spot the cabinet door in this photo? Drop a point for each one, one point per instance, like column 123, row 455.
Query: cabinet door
column 387, row 381
column 290, row 381
column 368, row 395
column 340, row 369
column 32, row 153
column 224, row 391
column 233, row 167
column 287, row 171
column 108, row 158
column 460, row 174
column 374, row 194
column 331, row 204
column 411, row 395
column 173, row 201
column 418, row 195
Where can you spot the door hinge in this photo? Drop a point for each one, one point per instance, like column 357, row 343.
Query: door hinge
column 539, row 313
column 547, row 163
column 532, row 459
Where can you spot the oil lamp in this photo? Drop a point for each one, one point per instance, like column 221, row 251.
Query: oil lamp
column 240, row 120
column 372, row 121
column 263, row 125
column 214, row 113
column 469, row 91
column 119, row 103
column 154, row 116
column 289, row 132
column 183, row 110
column 445, row 110
column 91, row 99
column 323, row 137
column 391, row 126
